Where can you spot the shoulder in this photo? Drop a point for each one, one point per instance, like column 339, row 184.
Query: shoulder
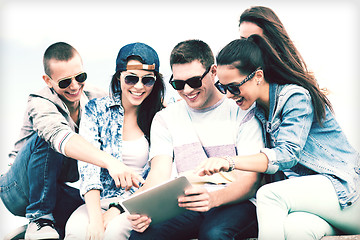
column 173, row 110
column 43, row 98
column 293, row 97
column 172, row 114
column 231, row 106
column 236, row 113
column 101, row 102
column 92, row 91
column 44, row 93
column 291, row 89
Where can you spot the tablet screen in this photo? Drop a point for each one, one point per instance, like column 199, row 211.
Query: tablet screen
column 160, row 203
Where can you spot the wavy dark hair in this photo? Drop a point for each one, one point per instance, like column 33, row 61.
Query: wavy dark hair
column 248, row 54
column 150, row 106
column 275, row 33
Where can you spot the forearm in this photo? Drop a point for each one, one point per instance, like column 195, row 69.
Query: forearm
column 78, row 148
column 242, row 189
column 92, row 200
column 252, row 163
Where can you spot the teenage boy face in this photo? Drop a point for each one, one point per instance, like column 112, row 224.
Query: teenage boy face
column 197, row 98
column 63, row 69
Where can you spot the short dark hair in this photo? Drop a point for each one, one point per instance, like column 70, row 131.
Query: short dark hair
column 59, row 51
column 191, row 50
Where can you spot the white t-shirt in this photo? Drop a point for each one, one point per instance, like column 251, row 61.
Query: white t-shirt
column 135, row 153
column 189, row 136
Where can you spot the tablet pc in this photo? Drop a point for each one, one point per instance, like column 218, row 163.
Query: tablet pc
column 160, row 203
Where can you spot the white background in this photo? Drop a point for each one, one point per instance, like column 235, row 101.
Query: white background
column 325, row 32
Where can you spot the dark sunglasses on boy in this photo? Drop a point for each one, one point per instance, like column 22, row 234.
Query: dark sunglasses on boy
column 194, row 82
column 234, row 88
column 132, row 79
column 65, row 82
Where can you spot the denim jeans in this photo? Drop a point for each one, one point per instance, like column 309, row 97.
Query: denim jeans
column 303, row 208
column 32, row 188
column 236, row 221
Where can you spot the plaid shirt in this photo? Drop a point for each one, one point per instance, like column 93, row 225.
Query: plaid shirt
column 101, row 124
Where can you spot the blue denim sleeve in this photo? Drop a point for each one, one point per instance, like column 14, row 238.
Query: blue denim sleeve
column 295, row 119
column 89, row 173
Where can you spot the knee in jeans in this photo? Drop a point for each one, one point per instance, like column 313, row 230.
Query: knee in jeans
column 302, row 225
column 265, row 192
column 214, row 234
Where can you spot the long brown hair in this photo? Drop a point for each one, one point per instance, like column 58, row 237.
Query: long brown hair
column 274, row 32
column 248, row 54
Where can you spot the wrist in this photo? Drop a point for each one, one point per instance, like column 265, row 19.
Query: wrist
column 112, row 163
column 116, row 205
column 231, row 162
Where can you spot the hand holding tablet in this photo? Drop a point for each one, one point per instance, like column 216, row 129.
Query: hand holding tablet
column 159, row 203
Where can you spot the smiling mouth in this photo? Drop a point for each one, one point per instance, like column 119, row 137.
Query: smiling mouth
column 192, row 96
column 74, row 93
column 137, row 94
column 240, row 100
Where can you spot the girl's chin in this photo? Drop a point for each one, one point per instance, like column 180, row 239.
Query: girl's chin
column 243, row 106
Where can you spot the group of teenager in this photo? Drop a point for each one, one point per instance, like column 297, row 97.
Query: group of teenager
column 261, row 146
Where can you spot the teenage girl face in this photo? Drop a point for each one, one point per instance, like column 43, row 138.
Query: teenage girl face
column 132, row 95
column 250, row 91
column 248, row 28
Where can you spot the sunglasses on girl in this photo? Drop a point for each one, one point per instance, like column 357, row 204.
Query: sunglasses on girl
column 234, row 88
column 132, row 79
column 65, row 82
column 194, row 82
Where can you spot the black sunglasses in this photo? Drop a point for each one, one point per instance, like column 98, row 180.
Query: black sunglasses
column 194, row 82
column 65, row 82
column 132, row 79
column 234, row 88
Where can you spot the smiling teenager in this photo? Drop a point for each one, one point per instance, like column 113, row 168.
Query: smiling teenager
column 320, row 195
column 37, row 185
column 120, row 125
column 204, row 124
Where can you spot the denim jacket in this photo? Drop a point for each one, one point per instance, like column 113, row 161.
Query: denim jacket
column 296, row 141
column 102, row 125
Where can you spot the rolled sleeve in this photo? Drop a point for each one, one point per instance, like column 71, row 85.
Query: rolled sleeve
column 61, row 139
column 273, row 166
column 90, row 177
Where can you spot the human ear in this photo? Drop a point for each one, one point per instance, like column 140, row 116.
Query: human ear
column 47, row 80
column 213, row 70
column 259, row 74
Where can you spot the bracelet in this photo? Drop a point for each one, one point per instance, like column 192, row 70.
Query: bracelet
column 116, row 205
column 231, row 163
